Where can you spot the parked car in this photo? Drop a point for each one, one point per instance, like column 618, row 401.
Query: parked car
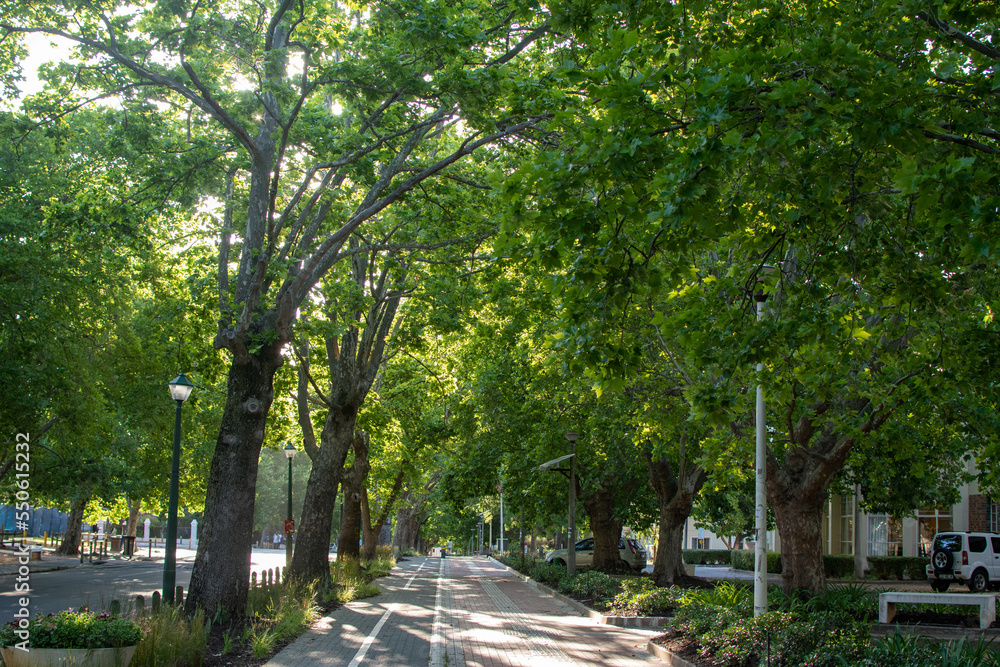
column 968, row 558
column 630, row 551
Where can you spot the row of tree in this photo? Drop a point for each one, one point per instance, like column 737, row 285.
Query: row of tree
column 331, row 181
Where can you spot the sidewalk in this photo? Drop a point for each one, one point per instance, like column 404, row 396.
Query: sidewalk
column 462, row 611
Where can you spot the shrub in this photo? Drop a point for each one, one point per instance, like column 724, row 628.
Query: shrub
column 742, row 559
column 642, row 597
column 706, row 556
column 75, row 629
column 548, row 573
column 596, row 585
column 838, row 566
column 898, row 567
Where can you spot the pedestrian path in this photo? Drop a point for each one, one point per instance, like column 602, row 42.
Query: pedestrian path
column 459, row 612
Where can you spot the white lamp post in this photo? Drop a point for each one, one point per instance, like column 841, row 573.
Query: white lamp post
column 760, row 509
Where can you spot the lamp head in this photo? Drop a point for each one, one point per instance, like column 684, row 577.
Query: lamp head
column 289, row 451
column 180, row 388
column 572, row 436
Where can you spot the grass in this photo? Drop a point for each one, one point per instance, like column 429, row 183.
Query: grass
column 172, row 638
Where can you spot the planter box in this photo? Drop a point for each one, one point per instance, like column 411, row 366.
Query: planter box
column 63, row 657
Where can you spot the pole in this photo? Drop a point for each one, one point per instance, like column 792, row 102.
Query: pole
column 288, row 536
column 571, row 548
column 170, row 555
column 502, row 545
column 760, row 509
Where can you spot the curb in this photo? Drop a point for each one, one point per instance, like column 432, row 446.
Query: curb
column 639, row 622
column 666, row 656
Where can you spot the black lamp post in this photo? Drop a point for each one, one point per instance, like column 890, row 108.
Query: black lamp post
column 571, row 549
column 290, row 522
column 180, row 389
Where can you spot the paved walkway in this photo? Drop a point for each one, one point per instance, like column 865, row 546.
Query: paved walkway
column 458, row 612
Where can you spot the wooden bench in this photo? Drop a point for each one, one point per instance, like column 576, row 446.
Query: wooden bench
column 987, row 603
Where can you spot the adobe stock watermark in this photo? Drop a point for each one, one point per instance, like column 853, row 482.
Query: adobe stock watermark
column 22, row 517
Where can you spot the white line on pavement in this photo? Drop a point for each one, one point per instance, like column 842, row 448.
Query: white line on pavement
column 360, row 655
column 437, row 638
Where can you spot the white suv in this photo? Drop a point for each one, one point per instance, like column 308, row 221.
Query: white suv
column 966, row 558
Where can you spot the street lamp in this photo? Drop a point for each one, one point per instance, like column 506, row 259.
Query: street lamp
column 760, row 508
column 180, row 388
column 289, row 522
column 571, row 551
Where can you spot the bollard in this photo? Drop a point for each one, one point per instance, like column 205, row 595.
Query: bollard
column 277, row 576
column 179, row 596
column 140, row 605
column 150, row 544
column 155, row 605
column 115, row 608
column 270, row 577
column 253, row 580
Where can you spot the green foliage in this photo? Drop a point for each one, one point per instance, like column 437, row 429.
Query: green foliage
column 743, row 559
column 898, row 567
column 548, row 573
column 594, row 585
column 707, row 556
column 839, row 566
column 75, row 629
column 641, row 597
column 172, row 638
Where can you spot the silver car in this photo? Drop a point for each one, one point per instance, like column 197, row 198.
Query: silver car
column 630, row 551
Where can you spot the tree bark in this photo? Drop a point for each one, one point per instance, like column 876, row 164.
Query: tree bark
column 800, row 524
column 221, row 575
column 372, row 529
column 70, row 545
column 133, row 516
column 600, row 508
column 675, row 497
column 311, row 558
column 354, row 480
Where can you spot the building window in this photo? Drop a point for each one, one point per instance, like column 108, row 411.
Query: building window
column 929, row 522
column 993, row 517
column 846, row 525
column 885, row 536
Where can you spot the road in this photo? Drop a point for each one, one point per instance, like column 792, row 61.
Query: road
column 96, row 585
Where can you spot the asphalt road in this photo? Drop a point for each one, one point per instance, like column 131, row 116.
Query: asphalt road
column 97, row 585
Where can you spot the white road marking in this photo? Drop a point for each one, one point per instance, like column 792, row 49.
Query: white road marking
column 360, row 655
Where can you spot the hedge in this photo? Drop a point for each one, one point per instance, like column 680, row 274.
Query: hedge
column 836, row 566
column 706, row 556
column 839, row 566
column 742, row 559
column 898, row 567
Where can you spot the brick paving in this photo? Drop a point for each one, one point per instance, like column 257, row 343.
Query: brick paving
column 457, row 612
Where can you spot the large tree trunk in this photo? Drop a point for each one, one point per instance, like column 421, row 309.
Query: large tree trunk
column 372, row 529
column 70, row 545
column 354, row 481
column 133, row 516
column 600, row 508
column 675, row 497
column 221, row 575
column 311, row 558
column 800, row 524
column 797, row 489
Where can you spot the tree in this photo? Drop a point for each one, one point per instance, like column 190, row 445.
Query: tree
column 309, row 178
column 798, row 135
